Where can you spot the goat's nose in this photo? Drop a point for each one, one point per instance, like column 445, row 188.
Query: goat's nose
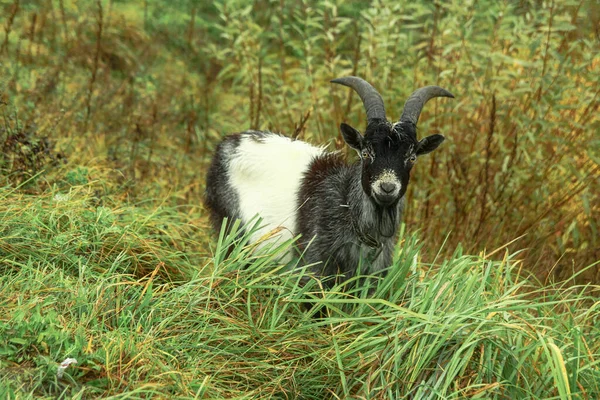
column 387, row 187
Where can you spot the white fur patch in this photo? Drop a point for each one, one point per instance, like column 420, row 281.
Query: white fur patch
column 266, row 173
column 387, row 176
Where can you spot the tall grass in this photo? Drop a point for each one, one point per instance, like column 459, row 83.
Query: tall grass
column 145, row 319
column 110, row 110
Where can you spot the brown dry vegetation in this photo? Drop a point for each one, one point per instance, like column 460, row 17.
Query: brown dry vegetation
column 139, row 93
column 110, row 110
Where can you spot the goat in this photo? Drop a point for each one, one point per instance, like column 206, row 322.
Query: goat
column 344, row 213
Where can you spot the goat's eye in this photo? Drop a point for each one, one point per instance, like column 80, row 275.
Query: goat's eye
column 413, row 158
column 365, row 154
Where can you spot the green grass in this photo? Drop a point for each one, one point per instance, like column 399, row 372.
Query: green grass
column 110, row 110
column 109, row 287
column 146, row 89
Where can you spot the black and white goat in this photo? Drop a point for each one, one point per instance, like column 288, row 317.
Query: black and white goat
column 345, row 213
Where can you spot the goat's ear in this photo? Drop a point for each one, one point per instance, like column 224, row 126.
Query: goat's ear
column 429, row 144
column 351, row 136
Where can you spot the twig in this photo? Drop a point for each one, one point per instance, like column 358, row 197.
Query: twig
column 260, row 94
column 8, row 26
column 96, row 60
column 299, row 127
column 486, row 170
column 63, row 17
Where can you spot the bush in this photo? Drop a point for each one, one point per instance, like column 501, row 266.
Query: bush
column 110, row 111
column 153, row 87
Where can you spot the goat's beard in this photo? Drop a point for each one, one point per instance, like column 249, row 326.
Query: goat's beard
column 387, row 221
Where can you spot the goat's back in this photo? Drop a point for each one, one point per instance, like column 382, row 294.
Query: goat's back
column 259, row 173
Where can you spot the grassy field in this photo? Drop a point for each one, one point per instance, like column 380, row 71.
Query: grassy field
column 110, row 110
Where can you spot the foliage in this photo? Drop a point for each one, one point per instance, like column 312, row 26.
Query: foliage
column 111, row 109
column 168, row 324
column 151, row 86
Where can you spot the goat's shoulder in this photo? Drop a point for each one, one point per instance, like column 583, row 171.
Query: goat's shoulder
column 324, row 166
column 326, row 179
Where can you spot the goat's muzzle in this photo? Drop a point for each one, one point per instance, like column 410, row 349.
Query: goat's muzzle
column 386, row 189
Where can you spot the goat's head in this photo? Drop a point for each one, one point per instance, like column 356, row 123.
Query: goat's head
column 388, row 151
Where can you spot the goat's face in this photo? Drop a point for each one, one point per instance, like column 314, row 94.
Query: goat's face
column 388, row 153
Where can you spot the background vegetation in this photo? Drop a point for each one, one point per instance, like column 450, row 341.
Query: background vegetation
column 110, row 111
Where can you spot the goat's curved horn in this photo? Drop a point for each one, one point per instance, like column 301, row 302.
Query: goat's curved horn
column 368, row 94
column 416, row 101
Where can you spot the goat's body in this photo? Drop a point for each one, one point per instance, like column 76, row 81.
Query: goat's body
column 259, row 173
column 346, row 215
column 346, row 222
column 297, row 188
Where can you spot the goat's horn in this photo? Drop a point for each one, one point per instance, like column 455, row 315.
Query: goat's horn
column 368, row 94
column 416, row 101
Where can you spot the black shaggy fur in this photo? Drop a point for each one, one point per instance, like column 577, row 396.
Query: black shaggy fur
column 349, row 226
column 348, row 214
column 220, row 197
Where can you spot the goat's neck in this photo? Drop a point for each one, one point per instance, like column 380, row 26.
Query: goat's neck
column 378, row 222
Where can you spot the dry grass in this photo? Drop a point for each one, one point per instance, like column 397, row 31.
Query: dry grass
column 148, row 93
column 109, row 114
